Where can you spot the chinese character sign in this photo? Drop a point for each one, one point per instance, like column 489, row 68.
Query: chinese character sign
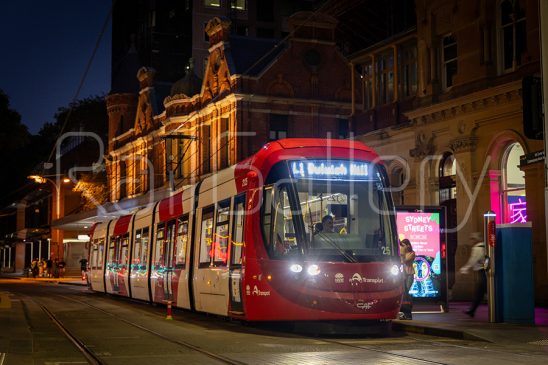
column 517, row 207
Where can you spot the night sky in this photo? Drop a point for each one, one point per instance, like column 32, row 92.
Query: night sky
column 45, row 47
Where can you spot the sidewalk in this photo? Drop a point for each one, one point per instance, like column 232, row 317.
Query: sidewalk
column 70, row 280
column 456, row 324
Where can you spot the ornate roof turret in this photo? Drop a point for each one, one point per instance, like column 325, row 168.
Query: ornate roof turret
column 189, row 85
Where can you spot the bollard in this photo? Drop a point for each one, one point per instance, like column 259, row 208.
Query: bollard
column 168, row 316
column 489, row 239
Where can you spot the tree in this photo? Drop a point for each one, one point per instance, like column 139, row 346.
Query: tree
column 16, row 155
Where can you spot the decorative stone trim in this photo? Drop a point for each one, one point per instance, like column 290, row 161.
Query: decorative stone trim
column 473, row 102
column 464, row 144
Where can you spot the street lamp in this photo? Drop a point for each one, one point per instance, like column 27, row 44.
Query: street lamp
column 40, row 179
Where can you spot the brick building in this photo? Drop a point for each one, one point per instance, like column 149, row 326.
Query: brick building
column 254, row 90
column 443, row 103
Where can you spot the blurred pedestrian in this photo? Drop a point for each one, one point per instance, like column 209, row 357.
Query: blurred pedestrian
column 49, row 266
column 476, row 262
column 83, row 266
column 34, row 267
column 407, row 258
column 61, row 268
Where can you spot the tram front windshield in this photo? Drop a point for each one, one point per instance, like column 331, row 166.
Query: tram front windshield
column 328, row 211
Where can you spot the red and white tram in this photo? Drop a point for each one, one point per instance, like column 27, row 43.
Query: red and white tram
column 247, row 242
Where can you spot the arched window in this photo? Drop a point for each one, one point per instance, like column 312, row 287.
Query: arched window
column 448, row 172
column 513, row 190
column 397, row 181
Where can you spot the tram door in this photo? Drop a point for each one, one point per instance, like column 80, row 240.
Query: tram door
column 168, row 260
column 236, row 255
column 162, row 267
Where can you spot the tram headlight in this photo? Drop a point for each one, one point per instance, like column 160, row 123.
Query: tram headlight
column 394, row 270
column 296, row 268
column 313, row 270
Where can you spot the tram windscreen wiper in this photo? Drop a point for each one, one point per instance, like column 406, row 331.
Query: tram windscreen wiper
column 343, row 252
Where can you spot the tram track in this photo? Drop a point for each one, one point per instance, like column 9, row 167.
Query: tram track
column 226, row 360
column 96, row 360
column 395, row 356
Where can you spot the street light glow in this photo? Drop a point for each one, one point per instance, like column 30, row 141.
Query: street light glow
column 37, row 179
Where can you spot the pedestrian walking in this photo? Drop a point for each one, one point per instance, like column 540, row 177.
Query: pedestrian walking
column 34, row 268
column 49, row 266
column 61, row 268
column 476, row 262
column 407, row 258
column 83, row 266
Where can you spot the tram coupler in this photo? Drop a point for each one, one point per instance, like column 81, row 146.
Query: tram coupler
column 168, row 314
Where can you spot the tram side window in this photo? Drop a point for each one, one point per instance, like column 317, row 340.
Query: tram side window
column 112, row 259
column 159, row 248
column 124, row 251
column 94, row 253
column 267, row 215
column 140, row 254
column 238, row 231
column 100, row 254
column 284, row 240
column 170, row 241
column 206, row 235
column 182, row 242
column 219, row 246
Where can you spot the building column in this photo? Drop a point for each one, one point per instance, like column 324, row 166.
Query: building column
column 534, row 192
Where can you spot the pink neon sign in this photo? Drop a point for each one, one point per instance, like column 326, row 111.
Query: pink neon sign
column 518, row 210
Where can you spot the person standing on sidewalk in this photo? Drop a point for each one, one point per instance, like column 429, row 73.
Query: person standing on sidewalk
column 407, row 257
column 476, row 262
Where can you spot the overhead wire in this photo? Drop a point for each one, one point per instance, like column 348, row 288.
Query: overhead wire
column 84, row 77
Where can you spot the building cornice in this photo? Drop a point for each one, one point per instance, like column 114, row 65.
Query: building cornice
column 476, row 101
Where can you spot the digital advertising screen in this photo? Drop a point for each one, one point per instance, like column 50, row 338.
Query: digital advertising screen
column 422, row 229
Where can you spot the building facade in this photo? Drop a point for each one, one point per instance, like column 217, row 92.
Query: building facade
column 253, row 91
column 443, row 104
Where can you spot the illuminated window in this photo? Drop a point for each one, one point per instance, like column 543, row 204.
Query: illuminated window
column 224, row 144
column 238, row 4
column 205, row 142
column 448, row 172
column 238, row 231
column 206, row 236
column 449, row 60
column 512, row 37
column 212, row 3
column 219, row 246
column 182, row 242
column 140, row 253
column 513, row 191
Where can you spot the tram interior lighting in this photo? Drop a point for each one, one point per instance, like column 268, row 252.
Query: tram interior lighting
column 313, row 270
column 394, row 270
column 296, row 268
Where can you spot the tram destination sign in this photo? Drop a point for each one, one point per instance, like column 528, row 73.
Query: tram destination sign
column 330, row 169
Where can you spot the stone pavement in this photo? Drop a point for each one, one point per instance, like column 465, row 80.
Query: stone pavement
column 453, row 323
column 456, row 324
